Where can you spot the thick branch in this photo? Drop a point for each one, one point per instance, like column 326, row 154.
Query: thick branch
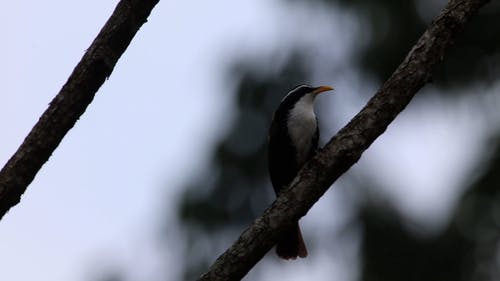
column 65, row 109
column 345, row 148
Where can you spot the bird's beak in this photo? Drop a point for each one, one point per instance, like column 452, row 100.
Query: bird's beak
column 322, row 89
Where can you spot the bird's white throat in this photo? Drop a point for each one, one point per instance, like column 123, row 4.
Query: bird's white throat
column 302, row 126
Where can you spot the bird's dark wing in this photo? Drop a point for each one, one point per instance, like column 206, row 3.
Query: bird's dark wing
column 281, row 155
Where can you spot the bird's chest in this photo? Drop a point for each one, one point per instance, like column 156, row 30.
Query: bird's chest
column 302, row 126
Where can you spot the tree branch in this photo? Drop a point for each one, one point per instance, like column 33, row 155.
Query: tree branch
column 345, row 148
column 70, row 103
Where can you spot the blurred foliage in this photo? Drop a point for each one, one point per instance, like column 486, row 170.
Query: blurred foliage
column 390, row 28
column 468, row 248
column 235, row 189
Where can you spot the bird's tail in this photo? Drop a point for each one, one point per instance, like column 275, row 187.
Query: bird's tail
column 290, row 244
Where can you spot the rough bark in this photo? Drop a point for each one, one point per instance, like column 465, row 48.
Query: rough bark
column 72, row 100
column 346, row 147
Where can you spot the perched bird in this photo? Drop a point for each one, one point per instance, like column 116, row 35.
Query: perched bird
column 293, row 139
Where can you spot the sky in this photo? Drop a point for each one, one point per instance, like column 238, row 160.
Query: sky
column 152, row 111
column 99, row 202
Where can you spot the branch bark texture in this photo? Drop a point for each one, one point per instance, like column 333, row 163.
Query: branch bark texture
column 72, row 100
column 346, row 147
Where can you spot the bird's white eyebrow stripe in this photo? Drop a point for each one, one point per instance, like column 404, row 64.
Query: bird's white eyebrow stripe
column 293, row 90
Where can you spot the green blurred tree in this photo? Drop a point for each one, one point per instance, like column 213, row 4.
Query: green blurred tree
column 217, row 205
column 467, row 249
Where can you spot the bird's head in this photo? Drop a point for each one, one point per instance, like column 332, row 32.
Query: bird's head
column 303, row 95
column 301, row 90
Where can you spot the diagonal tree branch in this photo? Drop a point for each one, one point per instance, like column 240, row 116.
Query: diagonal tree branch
column 70, row 103
column 345, row 148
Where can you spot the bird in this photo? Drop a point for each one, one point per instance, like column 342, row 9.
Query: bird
column 293, row 139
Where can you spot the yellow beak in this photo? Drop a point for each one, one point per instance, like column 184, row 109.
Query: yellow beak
column 322, row 89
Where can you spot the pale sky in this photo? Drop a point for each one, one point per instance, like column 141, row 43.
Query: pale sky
column 100, row 198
